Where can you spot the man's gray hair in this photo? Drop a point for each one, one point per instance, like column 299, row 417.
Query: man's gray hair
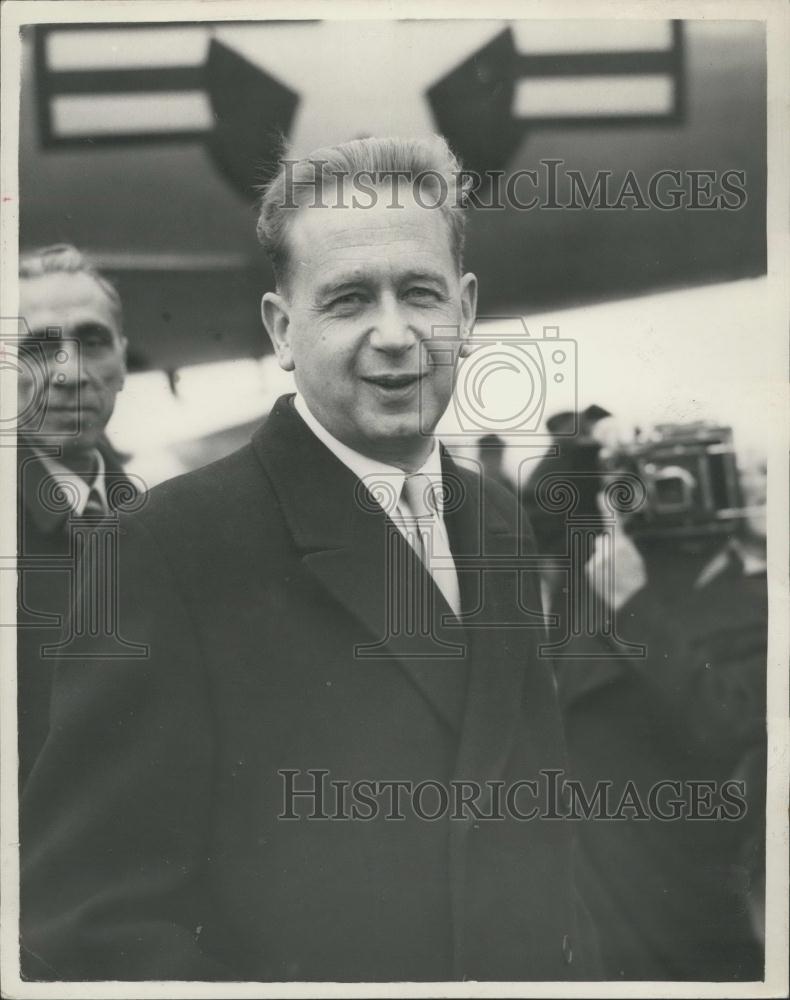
column 429, row 163
column 63, row 258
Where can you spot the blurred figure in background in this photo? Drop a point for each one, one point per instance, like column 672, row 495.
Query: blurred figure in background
column 677, row 898
column 570, row 453
column 73, row 364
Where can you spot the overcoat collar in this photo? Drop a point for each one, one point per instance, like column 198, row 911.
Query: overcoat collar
column 315, row 482
column 358, row 555
column 34, row 494
column 342, row 534
column 31, row 476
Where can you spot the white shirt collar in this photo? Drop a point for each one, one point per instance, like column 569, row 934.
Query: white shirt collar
column 76, row 486
column 369, row 470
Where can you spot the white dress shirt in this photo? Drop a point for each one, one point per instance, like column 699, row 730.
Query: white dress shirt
column 75, row 488
column 385, row 483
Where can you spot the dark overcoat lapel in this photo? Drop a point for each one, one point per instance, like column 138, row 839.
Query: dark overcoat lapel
column 473, row 678
column 358, row 555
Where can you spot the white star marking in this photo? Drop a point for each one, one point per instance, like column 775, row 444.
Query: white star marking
column 358, row 78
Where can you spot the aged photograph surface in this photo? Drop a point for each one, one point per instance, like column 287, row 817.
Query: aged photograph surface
column 390, row 406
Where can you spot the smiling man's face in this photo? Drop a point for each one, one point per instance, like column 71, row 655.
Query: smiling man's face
column 368, row 290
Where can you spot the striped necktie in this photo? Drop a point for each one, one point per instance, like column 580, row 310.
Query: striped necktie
column 430, row 539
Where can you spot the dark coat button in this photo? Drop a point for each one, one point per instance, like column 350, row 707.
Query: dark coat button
column 567, row 950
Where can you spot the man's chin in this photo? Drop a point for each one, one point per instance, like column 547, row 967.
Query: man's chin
column 415, row 416
column 399, row 439
column 407, row 424
column 70, row 436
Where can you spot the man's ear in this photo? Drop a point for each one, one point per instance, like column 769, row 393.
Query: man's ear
column 277, row 318
column 124, row 360
column 468, row 312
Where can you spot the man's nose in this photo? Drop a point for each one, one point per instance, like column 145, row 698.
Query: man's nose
column 392, row 330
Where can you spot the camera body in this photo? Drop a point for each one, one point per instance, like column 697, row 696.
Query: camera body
column 509, row 379
column 691, row 481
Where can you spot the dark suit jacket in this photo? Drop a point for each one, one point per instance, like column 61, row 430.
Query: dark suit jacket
column 44, row 589
column 669, row 898
column 152, row 847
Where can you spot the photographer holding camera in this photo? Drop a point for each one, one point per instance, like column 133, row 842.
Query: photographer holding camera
column 672, row 898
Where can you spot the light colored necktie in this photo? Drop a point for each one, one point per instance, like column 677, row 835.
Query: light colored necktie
column 425, row 530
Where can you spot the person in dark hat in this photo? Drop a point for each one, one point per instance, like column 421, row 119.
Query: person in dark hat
column 570, row 454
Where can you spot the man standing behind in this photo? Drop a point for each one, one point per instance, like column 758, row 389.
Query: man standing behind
column 73, row 366
column 228, row 807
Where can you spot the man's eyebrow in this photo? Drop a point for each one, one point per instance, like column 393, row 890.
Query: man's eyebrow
column 56, row 333
column 340, row 283
column 345, row 281
column 432, row 276
column 89, row 327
